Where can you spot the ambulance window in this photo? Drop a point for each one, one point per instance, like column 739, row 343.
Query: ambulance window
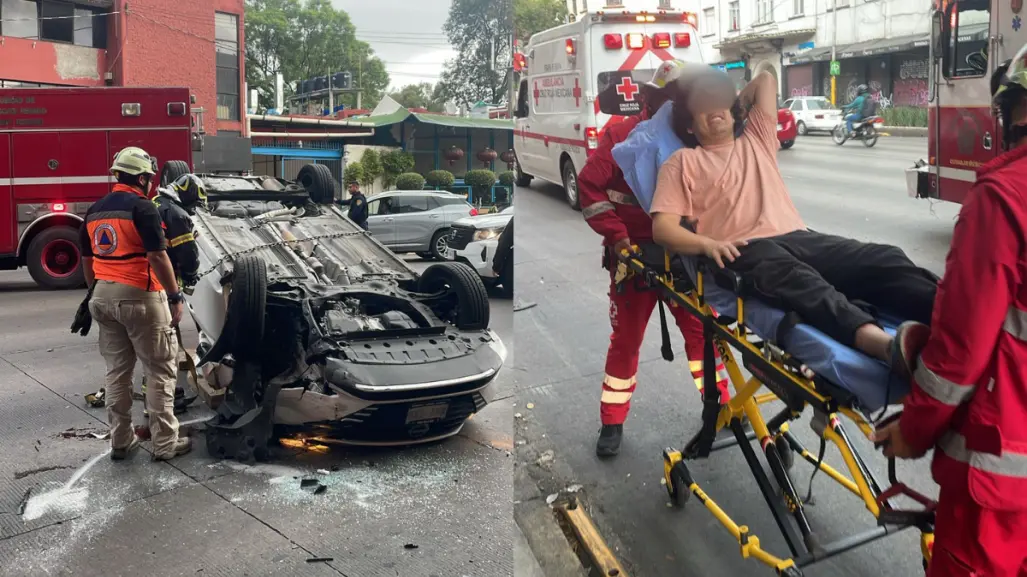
column 522, row 100
column 965, row 37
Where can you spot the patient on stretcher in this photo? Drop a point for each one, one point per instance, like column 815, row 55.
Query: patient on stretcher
column 738, row 212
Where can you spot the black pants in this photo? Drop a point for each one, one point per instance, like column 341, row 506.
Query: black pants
column 819, row 275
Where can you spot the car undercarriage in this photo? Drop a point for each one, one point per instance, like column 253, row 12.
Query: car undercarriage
column 308, row 323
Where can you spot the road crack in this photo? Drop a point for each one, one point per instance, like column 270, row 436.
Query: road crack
column 22, row 474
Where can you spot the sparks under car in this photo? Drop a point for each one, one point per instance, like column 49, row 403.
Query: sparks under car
column 308, row 322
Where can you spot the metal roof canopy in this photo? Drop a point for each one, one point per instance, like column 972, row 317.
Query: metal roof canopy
column 763, row 37
column 403, row 114
column 866, row 48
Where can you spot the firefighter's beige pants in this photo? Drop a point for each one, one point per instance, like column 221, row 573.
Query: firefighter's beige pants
column 137, row 324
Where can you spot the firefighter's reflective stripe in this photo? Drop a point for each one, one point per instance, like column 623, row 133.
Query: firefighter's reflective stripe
column 1008, row 464
column 118, row 252
column 593, row 210
column 181, row 239
column 616, row 390
column 940, row 389
column 1016, row 323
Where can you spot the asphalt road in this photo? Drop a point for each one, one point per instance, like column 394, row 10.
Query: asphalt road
column 65, row 509
column 562, row 342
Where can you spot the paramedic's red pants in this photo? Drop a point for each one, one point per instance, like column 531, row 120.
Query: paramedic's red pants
column 629, row 315
column 972, row 541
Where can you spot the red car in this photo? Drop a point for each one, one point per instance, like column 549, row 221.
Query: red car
column 786, row 130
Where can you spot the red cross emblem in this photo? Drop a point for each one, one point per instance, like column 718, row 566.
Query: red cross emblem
column 536, row 93
column 627, row 89
column 577, row 92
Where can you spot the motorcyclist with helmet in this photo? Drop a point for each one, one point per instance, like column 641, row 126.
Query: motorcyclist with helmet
column 855, row 108
column 969, row 397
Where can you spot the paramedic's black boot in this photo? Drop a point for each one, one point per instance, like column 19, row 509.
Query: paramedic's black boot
column 608, row 444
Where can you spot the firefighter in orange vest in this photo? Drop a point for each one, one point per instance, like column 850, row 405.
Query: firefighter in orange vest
column 125, row 254
column 969, row 397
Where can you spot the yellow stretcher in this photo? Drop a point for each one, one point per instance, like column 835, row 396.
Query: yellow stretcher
column 788, row 381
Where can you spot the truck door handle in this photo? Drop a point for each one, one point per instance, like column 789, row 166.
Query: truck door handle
column 986, row 141
column 433, row 216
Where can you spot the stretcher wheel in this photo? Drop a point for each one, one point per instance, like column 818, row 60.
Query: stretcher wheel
column 679, row 486
column 784, row 450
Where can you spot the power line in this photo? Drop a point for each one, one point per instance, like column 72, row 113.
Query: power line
column 38, row 18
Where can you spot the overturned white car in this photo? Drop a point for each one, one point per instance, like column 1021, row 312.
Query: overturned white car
column 309, row 322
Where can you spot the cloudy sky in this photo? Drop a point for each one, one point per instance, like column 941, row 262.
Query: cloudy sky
column 405, row 34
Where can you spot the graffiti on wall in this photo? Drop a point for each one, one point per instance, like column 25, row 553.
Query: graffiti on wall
column 806, row 90
column 911, row 83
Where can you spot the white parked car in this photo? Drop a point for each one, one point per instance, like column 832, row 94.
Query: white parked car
column 473, row 240
column 813, row 114
column 309, row 324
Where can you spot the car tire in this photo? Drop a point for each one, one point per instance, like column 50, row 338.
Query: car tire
column 522, row 179
column 439, row 240
column 317, row 180
column 244, row 323
column 787, row 144
column 54, row 259
column 471, row 310
column 570, row 184
column 800, row 127
column 172, row 171
column 506, row 278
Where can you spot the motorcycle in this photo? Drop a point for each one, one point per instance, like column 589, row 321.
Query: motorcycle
column 865, row 130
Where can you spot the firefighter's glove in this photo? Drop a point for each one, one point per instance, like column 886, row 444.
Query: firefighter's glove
column 83, row 319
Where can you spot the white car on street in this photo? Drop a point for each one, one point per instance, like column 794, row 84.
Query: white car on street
column 473, row 240
column 813, row 114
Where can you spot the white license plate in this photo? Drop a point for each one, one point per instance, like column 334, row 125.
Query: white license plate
column 422, row 413
column 779, row 127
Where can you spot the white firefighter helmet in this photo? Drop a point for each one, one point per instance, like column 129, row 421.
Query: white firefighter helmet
column 135, row 161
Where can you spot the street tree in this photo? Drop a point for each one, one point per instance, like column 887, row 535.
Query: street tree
column 303, row 39
column 534, row 16
column 422, row 95
column 371, row 162
column 481, row 31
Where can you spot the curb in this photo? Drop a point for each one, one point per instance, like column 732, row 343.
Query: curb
column 904, row 131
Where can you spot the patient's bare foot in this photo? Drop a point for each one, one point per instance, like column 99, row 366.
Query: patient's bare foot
column 910, row 338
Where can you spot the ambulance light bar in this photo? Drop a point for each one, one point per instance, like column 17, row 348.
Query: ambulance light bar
column 661, row 40
column 646, row 17
column 613, row 41
column 637, row 40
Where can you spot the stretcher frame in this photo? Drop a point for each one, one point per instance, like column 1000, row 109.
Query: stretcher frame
column 798, row 387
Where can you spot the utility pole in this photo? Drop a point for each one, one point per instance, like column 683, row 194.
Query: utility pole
column 360, row 82
column 331, row 96
column 834, row 54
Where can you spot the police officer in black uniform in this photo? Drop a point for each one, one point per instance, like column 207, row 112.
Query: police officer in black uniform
column 357, row 206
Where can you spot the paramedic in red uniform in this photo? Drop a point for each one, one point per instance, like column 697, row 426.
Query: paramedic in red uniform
column 969, row 397
column 610, row 208
column 125, row 254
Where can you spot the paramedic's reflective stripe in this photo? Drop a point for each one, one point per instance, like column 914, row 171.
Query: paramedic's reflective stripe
column 941, row 390
column 180, row 240
column 621, row 198
column 597, row 209
column 1016, row 323
column 1008, row 464
column 696, row 367
column 620, row 393
column 56, row 180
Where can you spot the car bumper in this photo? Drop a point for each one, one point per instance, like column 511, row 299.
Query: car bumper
column 786, row 132
column 478, row 255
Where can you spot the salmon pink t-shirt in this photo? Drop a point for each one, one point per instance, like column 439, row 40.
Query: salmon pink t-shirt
column 732, row 191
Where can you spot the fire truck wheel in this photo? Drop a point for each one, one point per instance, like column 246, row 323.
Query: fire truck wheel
column 173, row 169
column 318, row 182
column 54, row 259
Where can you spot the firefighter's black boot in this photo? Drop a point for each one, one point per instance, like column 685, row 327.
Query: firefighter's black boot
column 608, row 444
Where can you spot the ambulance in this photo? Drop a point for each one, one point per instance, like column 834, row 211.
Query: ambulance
column 609, row 50
column 969, row 39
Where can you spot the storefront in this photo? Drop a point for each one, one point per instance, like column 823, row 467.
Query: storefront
column 738, row 70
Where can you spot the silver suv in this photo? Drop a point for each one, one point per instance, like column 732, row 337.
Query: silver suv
column 416, row 220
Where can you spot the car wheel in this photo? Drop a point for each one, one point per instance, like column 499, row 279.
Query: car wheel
column 172, row 171
column 787, row 144
column 317, row 180
column 54, row 259
column 244, row 323
column 570, row 185
column 522, row 178
column 506, row 278
column 440, row 244
column 461, row 298
column 800, row 127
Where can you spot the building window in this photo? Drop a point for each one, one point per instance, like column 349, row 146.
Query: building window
column 798, row 7
column 733, row 15
column 19, row 19
column 764, row 11
column 709, row 22
column 226, row 37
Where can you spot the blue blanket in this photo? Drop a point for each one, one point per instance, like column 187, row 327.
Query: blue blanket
column 644, row 151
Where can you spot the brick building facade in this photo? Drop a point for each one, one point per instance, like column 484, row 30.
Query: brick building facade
column 193, row 43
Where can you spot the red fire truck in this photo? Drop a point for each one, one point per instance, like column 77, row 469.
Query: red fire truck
column 56, row 148
column 969, row 38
